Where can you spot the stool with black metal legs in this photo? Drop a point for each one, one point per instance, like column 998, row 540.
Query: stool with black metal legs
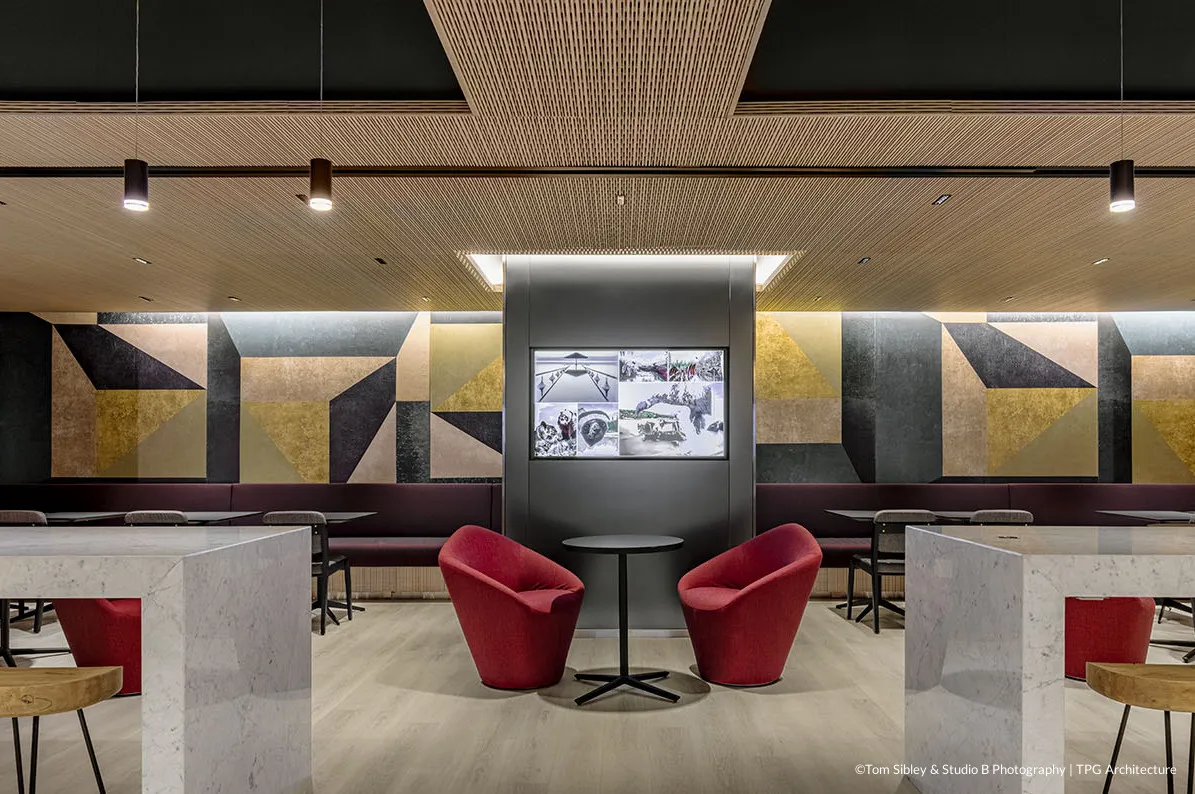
column 36, row 692
column 1165, row 687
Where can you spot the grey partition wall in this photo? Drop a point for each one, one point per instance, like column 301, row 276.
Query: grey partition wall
column 625, row 304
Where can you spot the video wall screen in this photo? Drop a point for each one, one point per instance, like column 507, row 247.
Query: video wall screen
column 628, row 403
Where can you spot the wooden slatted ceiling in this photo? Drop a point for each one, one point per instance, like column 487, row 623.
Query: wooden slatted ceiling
column 598, row 82
column 207, row 239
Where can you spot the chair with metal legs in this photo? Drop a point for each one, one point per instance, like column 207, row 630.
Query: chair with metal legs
column 39, row 691
column 323, row 562
column 22, row 518
column 887, row 558
column 1165, row 687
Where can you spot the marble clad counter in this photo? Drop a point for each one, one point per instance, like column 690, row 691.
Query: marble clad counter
column 984, row 641
column 226, row 642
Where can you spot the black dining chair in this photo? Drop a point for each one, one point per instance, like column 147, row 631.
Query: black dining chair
column 1020, row 518
column 26, row 518
column 886, row 558
column 323, row 562
column 156, row 518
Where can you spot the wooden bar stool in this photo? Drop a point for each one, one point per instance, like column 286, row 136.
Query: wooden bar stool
column 1166, row 687
column 34, row 692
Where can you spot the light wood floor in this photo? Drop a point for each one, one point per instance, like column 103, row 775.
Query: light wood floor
column 398, row 709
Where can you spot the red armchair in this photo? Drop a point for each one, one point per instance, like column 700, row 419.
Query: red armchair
column 102, row 633
column 1113, row 630
column 517, row 608
column 743, row 607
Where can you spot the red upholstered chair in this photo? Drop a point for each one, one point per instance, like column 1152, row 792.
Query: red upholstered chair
column 1114, row 630
column 103, row 633
column 517, row 608
column 743, row 607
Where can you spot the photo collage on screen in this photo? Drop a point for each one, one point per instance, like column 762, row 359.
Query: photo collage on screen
column 629, row 404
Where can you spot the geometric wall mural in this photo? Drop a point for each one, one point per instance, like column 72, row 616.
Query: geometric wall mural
column 465, row 393
column 798, row 371
column 1019, row 398
column 928, row 397
column 267, row 397
column 417, row 397
column 1160, row 349
column 128, row 398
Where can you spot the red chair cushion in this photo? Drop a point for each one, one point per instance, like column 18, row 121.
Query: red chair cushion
column 710, row 597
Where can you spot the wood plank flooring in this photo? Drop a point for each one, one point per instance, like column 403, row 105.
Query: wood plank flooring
column 398, row 709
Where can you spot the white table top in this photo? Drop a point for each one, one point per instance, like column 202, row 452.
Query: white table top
column 1074, row 541
column 93, row 541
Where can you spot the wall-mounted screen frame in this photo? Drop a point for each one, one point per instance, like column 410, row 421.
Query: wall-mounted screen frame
column 649, row 403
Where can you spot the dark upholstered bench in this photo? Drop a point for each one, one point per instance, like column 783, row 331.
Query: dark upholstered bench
column 841, row 538
column 413, row 519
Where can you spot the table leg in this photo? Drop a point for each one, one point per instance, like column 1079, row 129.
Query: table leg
column 623, row 618
column 624, row 677
column 7, row 652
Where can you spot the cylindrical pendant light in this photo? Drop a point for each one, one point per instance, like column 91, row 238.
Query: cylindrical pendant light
column 1122, row 199
column 136, row 185
column 1121, row 171
column 319, row 197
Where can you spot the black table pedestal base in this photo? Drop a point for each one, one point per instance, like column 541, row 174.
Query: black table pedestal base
column 624, row 677
column 610, row 682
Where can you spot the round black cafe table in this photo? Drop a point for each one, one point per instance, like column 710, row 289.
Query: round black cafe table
column 622, row 545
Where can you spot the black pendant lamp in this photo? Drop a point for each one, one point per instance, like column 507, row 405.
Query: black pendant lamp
column 319, row 198
column 136, row 170
column 136, row 185
column 1121, row 198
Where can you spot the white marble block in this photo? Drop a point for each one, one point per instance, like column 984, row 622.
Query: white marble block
column 226, row 643
column 984, row 645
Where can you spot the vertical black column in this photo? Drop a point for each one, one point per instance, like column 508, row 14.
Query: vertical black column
column 25, row 384
column 908, row 420
column 858, row 392
column 645, row 304
column 223, row 403
column 1115, row 403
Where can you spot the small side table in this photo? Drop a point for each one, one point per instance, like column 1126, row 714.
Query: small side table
column 622, row 545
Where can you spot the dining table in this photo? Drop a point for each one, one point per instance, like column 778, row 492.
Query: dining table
column 1154, row 516
column 82, row 517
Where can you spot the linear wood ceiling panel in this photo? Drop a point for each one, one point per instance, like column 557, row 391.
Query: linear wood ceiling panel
column 593, row 83
column 66, row 245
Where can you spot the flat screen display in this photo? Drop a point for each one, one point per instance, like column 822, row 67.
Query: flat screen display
column 658, row 403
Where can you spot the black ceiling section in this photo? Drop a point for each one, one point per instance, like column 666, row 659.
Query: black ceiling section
column 984, row 50
column 221, row 50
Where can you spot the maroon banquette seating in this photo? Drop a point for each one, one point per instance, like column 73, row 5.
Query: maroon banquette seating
column 413, row 519
column 1051, row 504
